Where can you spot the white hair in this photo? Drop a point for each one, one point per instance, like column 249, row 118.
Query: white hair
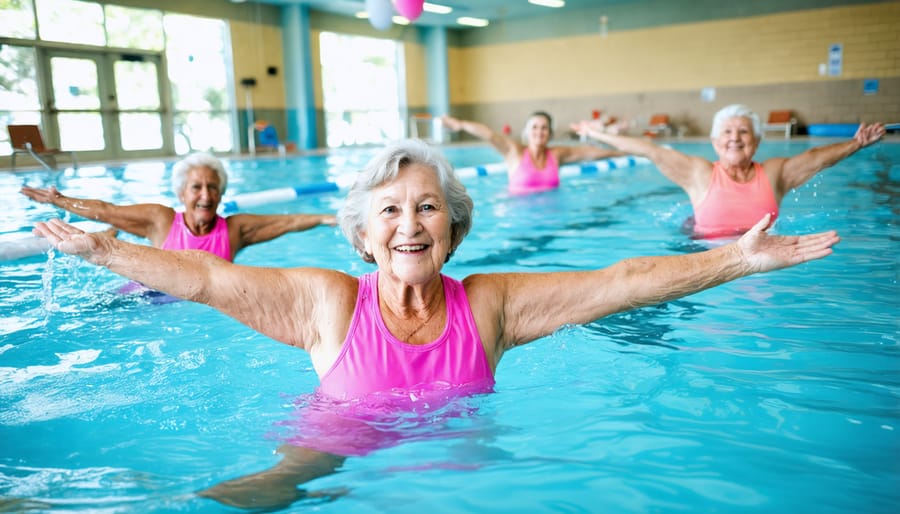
column 197, row 160
column 732, row 111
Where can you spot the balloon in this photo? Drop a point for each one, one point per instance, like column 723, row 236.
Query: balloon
column 409, row 9
column 380, row 13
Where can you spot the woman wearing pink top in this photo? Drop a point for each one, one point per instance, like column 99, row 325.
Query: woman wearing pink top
column 730, row 194
column 198, row 181
column 532, row 165
column 406, row 336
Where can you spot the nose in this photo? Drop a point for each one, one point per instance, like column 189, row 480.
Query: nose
column 409, row 223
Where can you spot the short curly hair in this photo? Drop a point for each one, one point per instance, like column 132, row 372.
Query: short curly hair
column 197, row 160
column 384, row 167
column 731, row 111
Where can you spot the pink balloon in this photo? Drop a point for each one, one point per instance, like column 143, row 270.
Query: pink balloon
column 380, row 13
column 409, row 9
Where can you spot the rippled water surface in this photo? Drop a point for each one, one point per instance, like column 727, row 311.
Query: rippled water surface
column 775, row 393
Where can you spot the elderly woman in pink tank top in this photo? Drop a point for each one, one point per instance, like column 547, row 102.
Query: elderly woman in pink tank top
column 729, row 195
column 198, row 181
column 405, row 337
column 532, row 164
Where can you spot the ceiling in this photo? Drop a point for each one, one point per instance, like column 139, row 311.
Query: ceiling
column 492, row 10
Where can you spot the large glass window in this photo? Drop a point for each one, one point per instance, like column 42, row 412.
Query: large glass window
column 351, row 64
column 19, row 101
column 106, row 87
column 71, row 21
column 197, row 54
column 134, row 28
column 17, row 19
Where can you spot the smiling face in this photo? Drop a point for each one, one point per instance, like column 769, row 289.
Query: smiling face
column 736, row 144
column 201, row 196
column 537, row 130
column 408, row 228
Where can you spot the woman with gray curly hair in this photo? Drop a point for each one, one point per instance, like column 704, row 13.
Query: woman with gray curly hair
column 731, row 194
column 406, row 336
column 198, row 181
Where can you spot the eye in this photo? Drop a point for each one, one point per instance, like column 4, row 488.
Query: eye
column 390, row 209
column 427, row 207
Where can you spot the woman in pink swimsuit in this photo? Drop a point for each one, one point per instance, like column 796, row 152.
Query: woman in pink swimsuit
column 198, row 181
column 532, row 165
column 406, row 337
column 729, row 194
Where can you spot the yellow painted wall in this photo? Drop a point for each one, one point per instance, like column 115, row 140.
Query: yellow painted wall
column 771, row 49
column 255, row 47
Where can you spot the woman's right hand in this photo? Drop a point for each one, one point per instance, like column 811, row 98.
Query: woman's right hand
column 41, row 195
column 451, row 123
column 94, row 247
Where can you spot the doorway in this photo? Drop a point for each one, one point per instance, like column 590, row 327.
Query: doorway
column 106, row 105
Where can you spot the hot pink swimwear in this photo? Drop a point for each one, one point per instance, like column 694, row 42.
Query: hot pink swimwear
column 216, row 242
column 730, row 207
column 529, row 179
column 372, row 361
column 381, row 391
column 181, row 238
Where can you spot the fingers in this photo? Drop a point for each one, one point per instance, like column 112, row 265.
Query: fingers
column 762, row 224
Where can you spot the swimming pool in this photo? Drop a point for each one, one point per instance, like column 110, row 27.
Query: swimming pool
column 775, row 393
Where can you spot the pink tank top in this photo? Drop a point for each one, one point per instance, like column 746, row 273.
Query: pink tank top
column 528, row 179
column 373, row 361
column 730, row 207
column 216, row 242
column 180, row 238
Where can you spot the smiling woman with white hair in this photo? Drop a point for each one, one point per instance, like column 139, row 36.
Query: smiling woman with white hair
column 731, row 194
column 198, row 181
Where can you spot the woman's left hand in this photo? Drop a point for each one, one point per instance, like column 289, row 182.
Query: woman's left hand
column 763, row 252
column 868, row 134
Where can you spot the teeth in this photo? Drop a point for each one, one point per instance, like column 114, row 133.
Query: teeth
column 410, row 248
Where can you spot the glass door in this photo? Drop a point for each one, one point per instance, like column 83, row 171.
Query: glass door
column 107, row 105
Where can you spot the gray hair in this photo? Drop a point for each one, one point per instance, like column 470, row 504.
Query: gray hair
column 730, row 112
column 384, row 167
column 197, row 160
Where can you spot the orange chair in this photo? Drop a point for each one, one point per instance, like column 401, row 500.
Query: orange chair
column 27, row 139
column 659, row 125
column 781, row 120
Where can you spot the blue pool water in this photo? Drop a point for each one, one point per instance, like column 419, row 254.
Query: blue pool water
column 775, row 393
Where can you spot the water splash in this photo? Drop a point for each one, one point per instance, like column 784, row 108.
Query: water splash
column 48, row 305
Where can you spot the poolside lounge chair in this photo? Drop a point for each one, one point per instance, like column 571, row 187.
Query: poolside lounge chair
column 28, row 139
column 659, row 125
column 781, row 121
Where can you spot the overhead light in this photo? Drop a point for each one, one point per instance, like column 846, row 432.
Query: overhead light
column 400, row 20
column 436, row 8
column 363, row 15
column 548, row 3
column 472, row 22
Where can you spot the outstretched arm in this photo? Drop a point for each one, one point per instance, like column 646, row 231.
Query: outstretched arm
column 142, row 220
column 797, row 170
column 253, row 228
column 684, row 170
column 501, row 143
column 581, row 153
column 582, row 297
column 288, row 305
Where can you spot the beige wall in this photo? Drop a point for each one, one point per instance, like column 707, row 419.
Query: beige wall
column 769, row 62
column 256, row 47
